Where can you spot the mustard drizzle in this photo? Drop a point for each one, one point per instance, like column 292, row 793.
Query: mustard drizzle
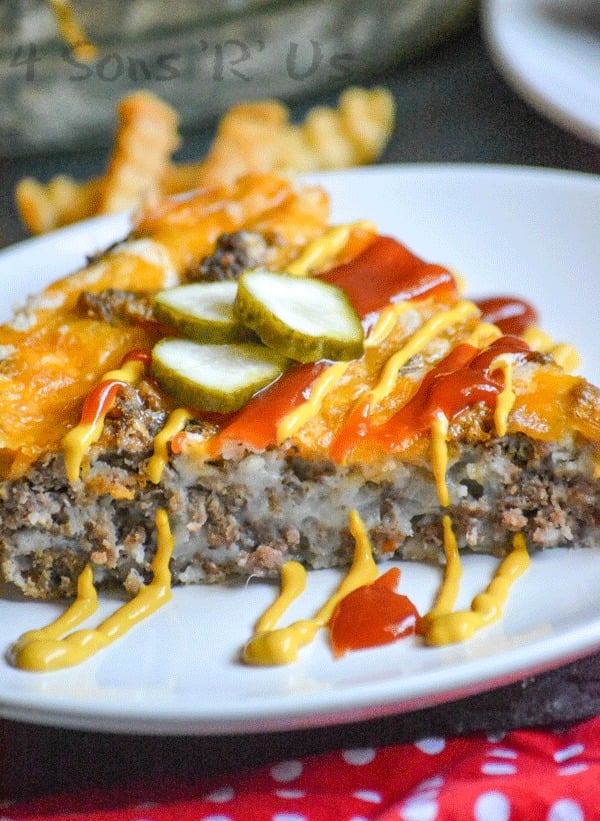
column 385, row 323
column 275, row 646
column 439, row 457
column 293, row 584
column 563, row 353
column 84, row 606
column 443, row 627
column 448, row 592
column 435, row 325
column 84, row 435
column 318, row 252
column 299, row 416
column 506, row 397
column 175, row 424
column 483, row 335
column 54, row 648
column 327, row 381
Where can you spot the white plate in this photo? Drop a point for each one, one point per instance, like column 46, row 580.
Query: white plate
column 528, row 232
column 550, row 53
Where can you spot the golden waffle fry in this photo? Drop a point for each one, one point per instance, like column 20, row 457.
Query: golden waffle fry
column 259, row 137
column 254, row 137
column 146, row 138
column 60, row 202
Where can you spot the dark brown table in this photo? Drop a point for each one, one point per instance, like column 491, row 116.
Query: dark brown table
column 452, row 106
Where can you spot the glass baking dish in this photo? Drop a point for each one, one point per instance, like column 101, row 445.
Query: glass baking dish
column 201, row 57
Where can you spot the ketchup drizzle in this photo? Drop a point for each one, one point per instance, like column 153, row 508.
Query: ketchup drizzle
column 511, row 314
column 102, row 397
column 459, row 381
column 256, row 423
column 386, row 271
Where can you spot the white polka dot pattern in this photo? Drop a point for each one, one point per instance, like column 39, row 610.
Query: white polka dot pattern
column 286, row 771
column 289, row 793
column 489, row 778
column 431, row 746
column 565, row 809
column 568, row 752
column 222, row 795
column 359, row 757
column 289, row 816
column 419, row 809
column 492, row 806
column 216, row 818
column 371, row 796
column 496, row 768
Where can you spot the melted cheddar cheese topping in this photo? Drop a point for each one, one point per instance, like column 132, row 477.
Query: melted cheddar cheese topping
column 52, row 354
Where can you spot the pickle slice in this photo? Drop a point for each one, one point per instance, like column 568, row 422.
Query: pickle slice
column 219, row 378
column 202, row 311
column 303, row 318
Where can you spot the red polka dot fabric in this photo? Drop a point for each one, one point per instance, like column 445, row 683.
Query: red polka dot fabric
column 523, row 774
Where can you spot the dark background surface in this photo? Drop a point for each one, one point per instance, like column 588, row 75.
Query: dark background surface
column 452, row 106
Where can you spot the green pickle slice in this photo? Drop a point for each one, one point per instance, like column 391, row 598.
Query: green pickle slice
column 211, row 377
column 303, row 318
column 202, row 311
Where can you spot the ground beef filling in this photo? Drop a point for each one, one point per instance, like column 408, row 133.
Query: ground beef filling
column 233, row 254
column 246, row 517
column 116, row 307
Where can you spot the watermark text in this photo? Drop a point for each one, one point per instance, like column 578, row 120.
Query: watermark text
column 230, row 60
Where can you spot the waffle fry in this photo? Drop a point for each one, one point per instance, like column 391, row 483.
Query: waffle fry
column 258, row 137
column 251, row 137
column 60, row 202
column 146, row 138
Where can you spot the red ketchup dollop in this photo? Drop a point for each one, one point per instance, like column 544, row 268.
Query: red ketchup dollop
column 387, row 272
column 511, row 314
column 99, row 401
column 373, row 615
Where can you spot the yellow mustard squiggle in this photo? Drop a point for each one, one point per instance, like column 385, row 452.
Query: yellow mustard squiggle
column 293, row 584
column 506, row 397
column 385, row 323
column 429, row 330
column 448, row 628
column 483, row 335
column 448, row 592
column 175, row 424
column 564, row 354
column 298, row 417
column 83, row 436
column 84, row 606
column 326, row 247
column 50, row 649
column 439, row 456
column 274, row 646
